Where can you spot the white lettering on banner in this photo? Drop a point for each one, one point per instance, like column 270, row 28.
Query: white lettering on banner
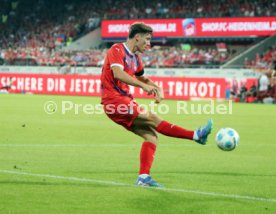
column 186, row 88
column 98, row 85
column 56, row 85
column 20, row 84
column 85, row 85
column 163, row 27
column 36, row 84
column 27, row 84
column 238, row 26
column 171, row 84
column 211, row 86
column 33, row 84
column 118, row 28
column 62, row 84
column 24, row 83
column 90, row 88
column 249, row 26
column 77, row 85
column 50, row 84
column 202, row 89
column 273, row 25
column 178, row 88
column 159, row 83
column 193, row 89
column 214, row 26
column 160, row 27
column 218, row 90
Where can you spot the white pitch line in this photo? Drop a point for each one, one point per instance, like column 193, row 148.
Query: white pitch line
column 113, row 183
column 85, row 180
column 113, row 145
column 89, row 145
column 68, row 145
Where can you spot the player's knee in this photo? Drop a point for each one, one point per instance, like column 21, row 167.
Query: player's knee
column 151, row 138
column 154, row 119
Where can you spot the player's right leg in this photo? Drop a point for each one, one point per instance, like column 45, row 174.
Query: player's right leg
column 146, row 155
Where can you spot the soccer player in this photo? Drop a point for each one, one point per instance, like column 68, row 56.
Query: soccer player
column 123, row 67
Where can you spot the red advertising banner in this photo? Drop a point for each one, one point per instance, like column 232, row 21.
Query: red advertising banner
column 90, row 85
column 198, row 27
column 83, row 85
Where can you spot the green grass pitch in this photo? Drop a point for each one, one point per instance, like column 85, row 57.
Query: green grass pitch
column 84, row 163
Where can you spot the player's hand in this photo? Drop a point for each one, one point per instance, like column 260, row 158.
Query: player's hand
column 159, row 95
column 149, row 89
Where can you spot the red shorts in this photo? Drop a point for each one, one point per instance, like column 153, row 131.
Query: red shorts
column 122, row 110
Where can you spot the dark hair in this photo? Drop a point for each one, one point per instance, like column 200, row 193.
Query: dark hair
column 139, row 27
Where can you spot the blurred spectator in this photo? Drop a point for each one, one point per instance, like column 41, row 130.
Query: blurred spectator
column 263, row 87
column 234, row 88
column 253, row 90
column 272, row 91
column 243, row 93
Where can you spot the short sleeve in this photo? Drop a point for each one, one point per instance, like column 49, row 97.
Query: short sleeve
column 116, row 57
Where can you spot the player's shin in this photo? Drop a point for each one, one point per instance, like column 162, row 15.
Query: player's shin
column 172, row 130
column 146, row 157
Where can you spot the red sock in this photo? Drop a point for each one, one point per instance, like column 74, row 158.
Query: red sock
column 171, row 130
column 146, row 157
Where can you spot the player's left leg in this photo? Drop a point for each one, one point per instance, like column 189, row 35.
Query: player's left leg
column 164, row 127
column 146, row 154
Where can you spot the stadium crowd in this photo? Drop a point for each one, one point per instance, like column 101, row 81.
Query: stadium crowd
column 158, row 56
column 54, row 23
column 189, row 8
column 33, row 32
column 263, row 61
column 49, row 24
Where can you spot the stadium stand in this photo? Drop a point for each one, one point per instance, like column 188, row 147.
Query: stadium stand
column 190, row 8
column 166, row 56
column 50, row 24
column 263, row 61
column 34, row 32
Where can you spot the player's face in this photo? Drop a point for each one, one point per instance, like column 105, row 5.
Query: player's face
column 143, row 41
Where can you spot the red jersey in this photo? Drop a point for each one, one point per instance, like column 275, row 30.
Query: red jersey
column 119, row 55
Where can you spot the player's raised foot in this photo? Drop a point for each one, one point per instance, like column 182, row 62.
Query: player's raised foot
column 147, row 181
column 203, row 132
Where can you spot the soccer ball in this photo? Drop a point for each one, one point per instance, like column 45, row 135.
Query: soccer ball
column 227, row 139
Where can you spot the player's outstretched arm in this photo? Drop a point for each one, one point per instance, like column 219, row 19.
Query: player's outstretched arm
column 160, row 94
column 124, row 77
